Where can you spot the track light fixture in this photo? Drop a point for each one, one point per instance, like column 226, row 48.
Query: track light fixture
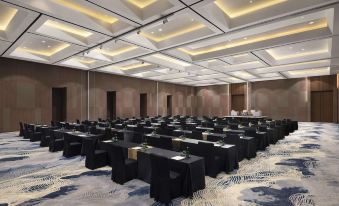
column 165, row 21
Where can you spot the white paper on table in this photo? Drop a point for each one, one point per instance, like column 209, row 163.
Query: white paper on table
column 217, row 145
column 137, row 148
column 108, row 141
column 178, row 158
column 227, row 146
column 82, row 135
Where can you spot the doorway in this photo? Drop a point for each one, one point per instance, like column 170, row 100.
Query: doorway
column 111, row 105
column 169, row 105
column 143, row 105
column 322, row 106
column 59, row 104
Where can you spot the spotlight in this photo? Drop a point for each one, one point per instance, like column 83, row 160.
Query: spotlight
column 142, row 62
column 138, row 32
column 165, row 21
column 100, row 46
column 116, row 41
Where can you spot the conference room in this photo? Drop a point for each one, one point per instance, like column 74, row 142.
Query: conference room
column 169, row 102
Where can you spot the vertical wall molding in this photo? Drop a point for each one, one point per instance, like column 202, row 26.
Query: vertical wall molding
column 87, row 94
column 157, row 98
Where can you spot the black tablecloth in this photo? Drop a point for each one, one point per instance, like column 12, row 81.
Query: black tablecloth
column 227, row 153
column 248, row 144
column 192, row 169
column 85, row 139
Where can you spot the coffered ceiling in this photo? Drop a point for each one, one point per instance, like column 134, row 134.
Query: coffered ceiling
column 190, row 42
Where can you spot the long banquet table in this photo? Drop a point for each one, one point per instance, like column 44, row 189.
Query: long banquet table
column 228, row 153
column 192, row 169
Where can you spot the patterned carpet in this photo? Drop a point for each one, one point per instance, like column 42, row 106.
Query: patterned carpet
column 301, row 170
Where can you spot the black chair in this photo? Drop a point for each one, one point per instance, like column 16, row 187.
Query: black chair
column 165, row 184
column 165, row 143
column 26, row 133
column 52, row 123
column 250, row 132
column 219, row 130
column 108, row 134
column 212, row 162
column 72, row 146
column 34, row 136
column 234, row 139
column 45, row 138
column 78, row 121
column 55, row 143
column 233, row 126
column 123, row 169
column 197, row 135
column 21, row 133
column 95, row 158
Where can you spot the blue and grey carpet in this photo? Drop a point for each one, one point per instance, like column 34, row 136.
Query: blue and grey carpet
column 301, row 170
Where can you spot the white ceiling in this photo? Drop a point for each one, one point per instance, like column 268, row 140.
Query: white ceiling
column 190, row 42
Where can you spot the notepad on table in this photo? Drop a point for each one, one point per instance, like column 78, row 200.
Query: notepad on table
column 108, row 141
column 178, row 158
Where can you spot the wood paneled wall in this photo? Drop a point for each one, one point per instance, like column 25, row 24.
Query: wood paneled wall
column 212, row 101
column 238, row 96
column 26, row 92
column 322, row 87
column 26, row 95
column 278, row 99
column 238, row 89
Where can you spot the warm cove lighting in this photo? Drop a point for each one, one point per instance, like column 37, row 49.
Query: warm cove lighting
column 254, row 39
column 173, row 34
column 85, row 60
column 295, row 55
column 116, row 52
column 171, row 60
column 133, row 66
column 232, row 13
column 243, row 74
column 87, row 11
column 6, row 17
column 141, row 3
column 67, row 28
column 309, row 72
column 47, row 53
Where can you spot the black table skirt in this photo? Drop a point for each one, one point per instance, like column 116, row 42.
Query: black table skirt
column 229, row 156
column 248, row 147
column 191, row 169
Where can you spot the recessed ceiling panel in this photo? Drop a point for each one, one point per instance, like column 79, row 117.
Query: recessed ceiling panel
column 82, row 62
column 182, row 27
column 116, row 51
column 51, row 27
column 230, row 14
column 287, row 67
column 42, row 49
column 14, row 20
column 141, row 11
column 312, row 25
column 129, row 67
column 307, row 72
column 243, row 75
column 82, row 13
